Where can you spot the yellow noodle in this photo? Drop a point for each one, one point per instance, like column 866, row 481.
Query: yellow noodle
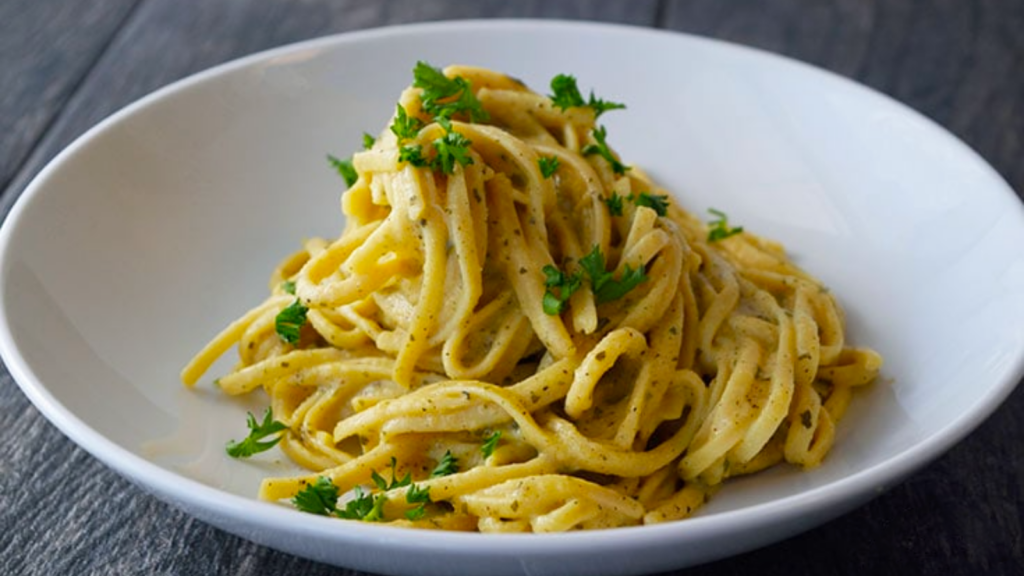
column 426, row 336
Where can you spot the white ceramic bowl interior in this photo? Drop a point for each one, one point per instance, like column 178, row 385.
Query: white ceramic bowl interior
column 161, row 225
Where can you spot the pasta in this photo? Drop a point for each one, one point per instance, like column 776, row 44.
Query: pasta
column 531, row 334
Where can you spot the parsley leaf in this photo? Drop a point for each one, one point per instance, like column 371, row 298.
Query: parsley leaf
column 601, row 106
column 417, row 495
column 451, row 148
column 288, row 286
column 443, row 96
column 413, row 154
column 719, row 228
column 567, row 95
column 605, row 287
column 368, row 141
column 345, row 168
column 490, row 444
column 363, row 506
column 319, row 498
column 614, row 203
column 446, row 467
column 257, row 431
column 404, row 126
column 548, row 165
column 601, row 149
column 414, row 495
column 395, row 483
column 657, row 202
column 565, row 284
column 289, row 321
column 322, row 498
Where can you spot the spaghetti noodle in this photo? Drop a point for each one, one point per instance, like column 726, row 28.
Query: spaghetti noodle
column 573, row 357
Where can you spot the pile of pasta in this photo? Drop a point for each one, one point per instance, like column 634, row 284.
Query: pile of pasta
column 426, row 336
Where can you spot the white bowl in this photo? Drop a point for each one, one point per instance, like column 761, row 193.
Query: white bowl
column 161, row 225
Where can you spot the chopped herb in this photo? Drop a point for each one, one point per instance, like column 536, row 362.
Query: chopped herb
column 319, row 498
column 657, row 202
column 452, row 148
column 605, row 287
column 289, row 321
column 601, row 149
column 288, row 286
column 345, row 168
column 566, row 92
column 413, row 154
column 368, row 141
column 395, row 483
column 446, row 467
column 414, row 495
column 719, row 228
column 322, row 498
column 567, row 95
column 443, row 96
column 490, row 444
column 548, row 165
column 565, row 284
column 363, row 506
column 257, row 432
column 404, row 126
column 602, row 106
column 419, row 496
column 614, row 203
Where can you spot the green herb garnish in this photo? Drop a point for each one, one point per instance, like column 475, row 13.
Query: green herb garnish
column 601, row 149
column 322, row 498
column 548, row 165
column 405, row 126
column 559, row 288
column 345, row 168
column 602, row 282
column 452, row 148
column 446, row 467
column 368, row 141
column 255, row 443
column 395, row 483
column 413, row 154
column 419, row 496
column 288, row 286
column 566, row 94
column 601, row 106
column 719, row 228
column 363, row 506
column 443, row 96
column 490, row 444
column 657, row 202
column 318, row 498
column 288, row 322
column 614, row 203
column 414, row 495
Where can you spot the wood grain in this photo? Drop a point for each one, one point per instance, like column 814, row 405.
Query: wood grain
column 65, row 65
column 46, row 49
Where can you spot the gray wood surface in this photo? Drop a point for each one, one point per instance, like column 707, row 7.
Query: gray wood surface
column 45, row 52
column 66, row 64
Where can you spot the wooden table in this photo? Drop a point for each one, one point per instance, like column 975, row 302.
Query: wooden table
column 66, row 64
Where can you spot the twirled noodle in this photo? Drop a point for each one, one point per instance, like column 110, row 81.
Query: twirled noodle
column 426, row 333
